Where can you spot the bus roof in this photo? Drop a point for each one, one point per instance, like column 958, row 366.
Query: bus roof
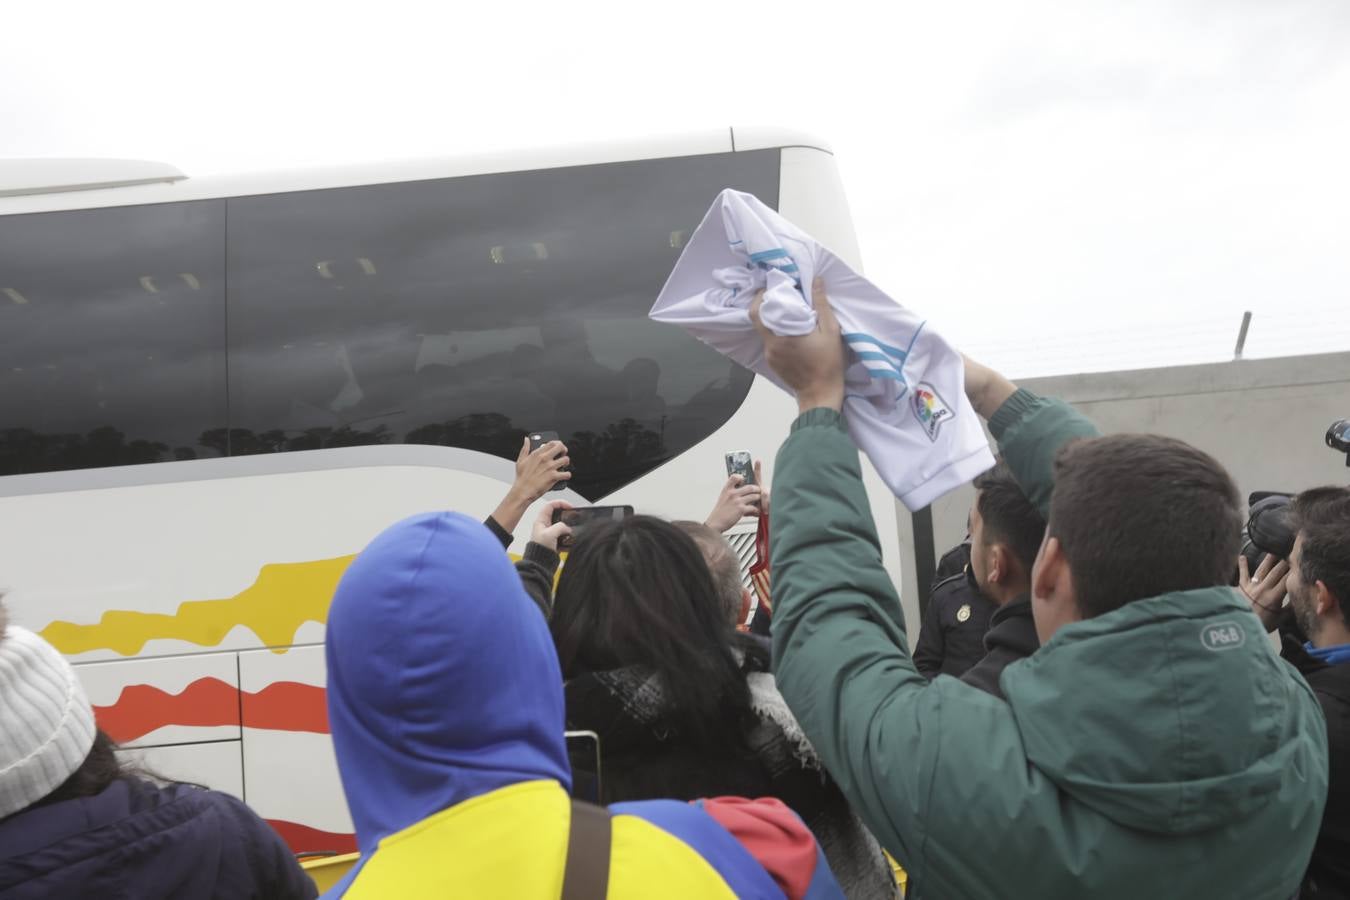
column 46, row 185
column 26, row 177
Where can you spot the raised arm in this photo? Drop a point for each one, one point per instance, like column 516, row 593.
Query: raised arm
column 536, row 474
column 538, row 567
column 889, row 738
column 839, row 633
column 839, row 644
column 986, row 389
column 1030, row 429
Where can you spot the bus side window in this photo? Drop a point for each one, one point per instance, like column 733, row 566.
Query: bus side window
column 469, row 310
column 457, row 312
column 111, row 335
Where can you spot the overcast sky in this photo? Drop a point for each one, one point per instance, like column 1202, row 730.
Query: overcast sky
column 1060, row 186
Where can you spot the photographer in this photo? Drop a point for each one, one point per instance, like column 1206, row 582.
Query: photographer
column 1316, row 579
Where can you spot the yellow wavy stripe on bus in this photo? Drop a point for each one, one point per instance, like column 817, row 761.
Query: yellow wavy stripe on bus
column 284, row 597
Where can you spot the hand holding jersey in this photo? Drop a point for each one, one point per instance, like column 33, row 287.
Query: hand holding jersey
column 811, row 364
column 899, row 385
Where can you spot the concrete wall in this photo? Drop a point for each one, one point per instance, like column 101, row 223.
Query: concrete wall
column 1263, row 419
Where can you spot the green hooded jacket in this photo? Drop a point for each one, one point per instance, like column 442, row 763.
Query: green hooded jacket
column 1161, row 750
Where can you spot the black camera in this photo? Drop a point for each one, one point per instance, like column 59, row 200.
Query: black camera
column 1270, row 528
column 1338, row 437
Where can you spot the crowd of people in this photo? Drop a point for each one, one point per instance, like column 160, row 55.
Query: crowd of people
column 1093, row 707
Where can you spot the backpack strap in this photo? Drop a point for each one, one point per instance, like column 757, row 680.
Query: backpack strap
column 586, row 873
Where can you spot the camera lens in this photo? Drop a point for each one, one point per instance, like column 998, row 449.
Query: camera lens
column 1270, row 528
column 1338, row 435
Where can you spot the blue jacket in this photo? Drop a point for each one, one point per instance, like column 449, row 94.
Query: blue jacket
column 137, row 839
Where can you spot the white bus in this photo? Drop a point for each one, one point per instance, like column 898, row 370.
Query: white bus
column 215, row 391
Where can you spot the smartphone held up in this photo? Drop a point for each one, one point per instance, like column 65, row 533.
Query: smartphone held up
column 539, row 439
column 739, row 462
column 580, row 517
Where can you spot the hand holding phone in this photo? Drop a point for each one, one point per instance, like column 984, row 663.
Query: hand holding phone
column 579, row 517
column 741, row 496
column 561, row 472
column 548, row 530
column 739, row 462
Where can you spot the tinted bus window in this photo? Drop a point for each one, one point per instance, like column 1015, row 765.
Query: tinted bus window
column 464, row 312
column 111, row 336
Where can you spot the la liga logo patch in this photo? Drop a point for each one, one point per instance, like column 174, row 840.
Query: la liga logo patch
column 930, row 409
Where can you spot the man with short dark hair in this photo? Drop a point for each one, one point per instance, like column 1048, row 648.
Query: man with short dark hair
column 980, row 620
column 1152, row 747
column 1317, row 580
column 1005, row 535
column 1179, row 502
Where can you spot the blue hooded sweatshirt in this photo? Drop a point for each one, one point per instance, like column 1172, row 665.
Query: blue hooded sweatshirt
column 446, row 706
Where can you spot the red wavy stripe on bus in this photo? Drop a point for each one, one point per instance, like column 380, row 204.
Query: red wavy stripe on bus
column 287, row 706
column 281, row 706
column 142, row 708
column 303, row 839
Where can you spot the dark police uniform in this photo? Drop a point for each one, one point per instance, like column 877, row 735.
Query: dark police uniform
column 951, row 639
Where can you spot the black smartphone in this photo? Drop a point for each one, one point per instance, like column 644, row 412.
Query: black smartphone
column 583, row 752
column 739, row 462
column 539, row 439
column 582, row 516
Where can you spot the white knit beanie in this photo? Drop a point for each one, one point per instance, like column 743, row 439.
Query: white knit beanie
column 46, row 723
